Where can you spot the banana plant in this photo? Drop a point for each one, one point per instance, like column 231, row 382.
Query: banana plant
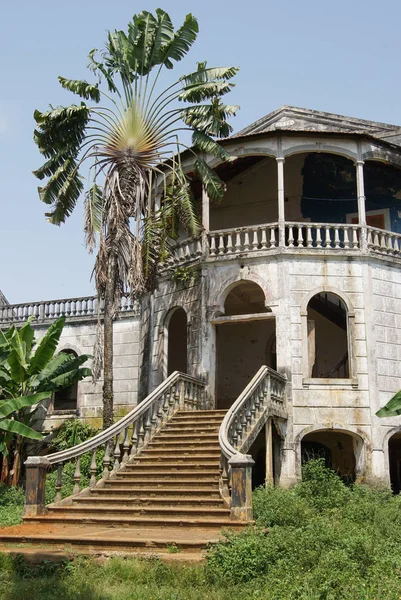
column 30, row 373
column 138, row 191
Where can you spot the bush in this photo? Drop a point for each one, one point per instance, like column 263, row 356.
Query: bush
column 325, row 541
column 11, row 505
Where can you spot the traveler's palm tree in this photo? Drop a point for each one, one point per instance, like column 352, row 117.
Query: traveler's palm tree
column 131, row 145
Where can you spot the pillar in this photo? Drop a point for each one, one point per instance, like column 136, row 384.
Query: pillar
column 281, row 210
column 36, row 468
column 360, row 190
column 269, row 452
column 241, row 487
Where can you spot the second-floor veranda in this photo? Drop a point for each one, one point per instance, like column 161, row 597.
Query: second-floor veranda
column 319, row 194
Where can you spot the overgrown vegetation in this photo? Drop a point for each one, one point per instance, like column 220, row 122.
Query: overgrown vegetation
column 321, row 540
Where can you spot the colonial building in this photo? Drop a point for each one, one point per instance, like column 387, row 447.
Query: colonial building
column 297, row 270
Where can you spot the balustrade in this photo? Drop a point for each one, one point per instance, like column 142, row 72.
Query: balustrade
column 243, row 239
column 332, row 236
column 184, row 252
column 384, row 242
column 263, row 396
column 119, row 443
column 86, row 307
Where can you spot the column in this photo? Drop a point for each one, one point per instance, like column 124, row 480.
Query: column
column 269, row 453
column 36, row 469
column 281, row 211
column 241, row 487
column 360, row 191
column 205, row 221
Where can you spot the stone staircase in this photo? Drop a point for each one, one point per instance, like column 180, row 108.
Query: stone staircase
column 167, row 496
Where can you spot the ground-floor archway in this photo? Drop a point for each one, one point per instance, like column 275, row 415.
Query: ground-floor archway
column 394, row 459
column 341, row 451
column 242, row 348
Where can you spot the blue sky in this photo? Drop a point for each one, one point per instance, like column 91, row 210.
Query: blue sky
column 341, row 57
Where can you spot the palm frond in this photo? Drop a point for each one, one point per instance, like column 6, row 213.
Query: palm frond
column 207, row 144
column 82, row 88
column 214, row 186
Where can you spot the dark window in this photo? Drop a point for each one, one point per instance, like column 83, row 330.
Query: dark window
column 67, row 399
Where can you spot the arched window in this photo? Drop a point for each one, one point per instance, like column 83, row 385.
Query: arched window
column 328, row 345
column 67, row 399
column 177, row 346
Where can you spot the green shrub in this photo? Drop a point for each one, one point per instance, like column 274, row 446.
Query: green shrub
column 279, row 506
column 321, row 487
column 11, row 505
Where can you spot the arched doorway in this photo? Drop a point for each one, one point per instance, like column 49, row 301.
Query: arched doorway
column 67, row 399
column 177, row 346
column 341, row 451
column 394, row 459
column 245, row 340
column 328, row 337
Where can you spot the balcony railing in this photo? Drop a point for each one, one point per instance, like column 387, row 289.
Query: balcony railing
column 73, row 308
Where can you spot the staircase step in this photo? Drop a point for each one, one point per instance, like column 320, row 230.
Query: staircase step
column 186, row 435
column 95, row 510
column 71, row 517
column 146, row 464
column 187, row 450
column 185, row 444
column 164, row 491
column 174, row 458
column 150, row 501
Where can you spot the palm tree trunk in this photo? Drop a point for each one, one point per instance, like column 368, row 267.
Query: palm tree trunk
column 108, row 345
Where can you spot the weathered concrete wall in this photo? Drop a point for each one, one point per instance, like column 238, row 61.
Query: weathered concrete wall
column 80, row 337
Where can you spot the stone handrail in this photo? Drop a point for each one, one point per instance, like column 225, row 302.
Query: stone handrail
column 243, row 239
column 384, row 242
column 332, row 236
column 81, row 308
column 122, row 441
column 262, row 397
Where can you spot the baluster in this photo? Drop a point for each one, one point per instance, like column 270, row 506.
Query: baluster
column 77, row 476
column 106, row 461
column 93, row 470
column 346, row 237
column 383, row 242
column 248, row 415
column 212, row 245
column 239, row 430
column 117, row 453
column 299, row 239
column 230, row 244
column 221, row 244
column 134, row 439
column 234, row 433
column 238, row 242
column 376, row 244
column 187, row 251
column 355, row 243
column 318, row 237
column 336, row 238
column 327, row 241
column 273, row 241
column 224, row 473
column 247, row 245
column 389, row 243
column 264, row 239
column 198, row 248
column 159, row 414
column 166, row 407
column 148, row 426
column 255, row 240
column 309, row 236
column 125, row 446
column 176, row 397
column 257, row 404
column 141, row 432
column 290, row 236
column 59, row 482
column 153, row 418
column 396, row 248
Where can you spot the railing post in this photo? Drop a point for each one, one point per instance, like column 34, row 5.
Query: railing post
column 241, row 491
column 36, row 467
column 360, row 186
column 281, row 200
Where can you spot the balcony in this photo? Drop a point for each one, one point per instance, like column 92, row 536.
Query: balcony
column 292, row 238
